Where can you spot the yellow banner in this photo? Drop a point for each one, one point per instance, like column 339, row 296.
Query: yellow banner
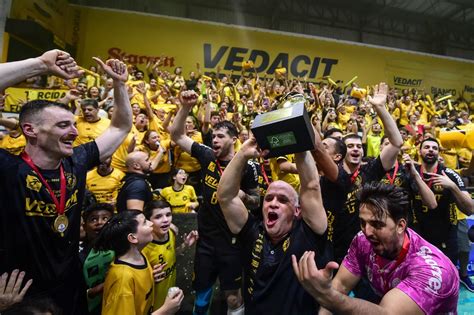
column 18, row 96
column 143, row 38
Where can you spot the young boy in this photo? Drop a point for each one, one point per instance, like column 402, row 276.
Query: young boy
column 95, row 263
column 161, row 252
column 128, row 287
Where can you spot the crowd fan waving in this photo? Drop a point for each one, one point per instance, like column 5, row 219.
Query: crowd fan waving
column 90, row 183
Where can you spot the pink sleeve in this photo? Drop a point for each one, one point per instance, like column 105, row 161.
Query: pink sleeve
column 353, row 261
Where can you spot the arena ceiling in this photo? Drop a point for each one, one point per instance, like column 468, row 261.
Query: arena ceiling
column 444, row 27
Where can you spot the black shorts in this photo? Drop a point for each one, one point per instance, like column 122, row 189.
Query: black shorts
column 211, row 261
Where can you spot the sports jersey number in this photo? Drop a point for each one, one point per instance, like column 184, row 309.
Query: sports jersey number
column 351, row 208
column 214, row 198
column 161, row 260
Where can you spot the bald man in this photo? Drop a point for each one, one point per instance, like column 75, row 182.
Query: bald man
column 292, row 224
column 136, row 191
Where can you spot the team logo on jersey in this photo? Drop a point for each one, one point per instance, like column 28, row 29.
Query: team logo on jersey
column 286, row 244
column 397, row 182
column 33, row 183
column 71, row 181
column 437, row 188
column 212, row 166
column 358, row 181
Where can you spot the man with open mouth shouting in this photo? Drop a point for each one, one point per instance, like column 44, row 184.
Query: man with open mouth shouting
column 291, row 225
column 42, row 189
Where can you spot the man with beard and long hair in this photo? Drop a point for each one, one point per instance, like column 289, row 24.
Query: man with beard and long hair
column 439, row 225
column 408, row 274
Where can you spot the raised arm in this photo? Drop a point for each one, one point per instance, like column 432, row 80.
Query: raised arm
column 188, row 99
column 378, row 101
column 54, row 62
column 427, row 196
column 233, row 208
column 121, row 122
column 323, row 160
column 311, row 202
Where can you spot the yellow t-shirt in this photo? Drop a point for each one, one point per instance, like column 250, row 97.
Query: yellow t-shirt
column 343, row 119
column 450, row 158
column 104, row 188
column 277, row 174
column 156, row 125
column 164, row 164
column 119, row 156
column 179, row 200
column 460, row 215
column 184, row 160
column 87, row 131
column 13, row 145
column 373, row 145
column 403, row 114
column 160, row 253
column 128, row 289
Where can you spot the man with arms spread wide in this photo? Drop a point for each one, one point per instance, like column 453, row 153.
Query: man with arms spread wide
column 43, row 188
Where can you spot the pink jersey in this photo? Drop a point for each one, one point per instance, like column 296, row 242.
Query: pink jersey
column 426, row 275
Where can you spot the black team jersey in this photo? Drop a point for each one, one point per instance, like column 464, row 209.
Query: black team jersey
column 439, row 226
column 341, row 202
column 27, row 239
column 134, row 186
column 399, row 176
column 211, row 222
column 270, row 284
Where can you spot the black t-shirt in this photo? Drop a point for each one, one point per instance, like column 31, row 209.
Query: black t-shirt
column 403, row 179
column 346, row 218
column 135, row 186
column 270, row 284
column 207, row 138
column 27, row 239
column 438, row 226
column 211, row 222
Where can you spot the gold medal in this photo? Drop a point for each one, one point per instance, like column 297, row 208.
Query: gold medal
column 60, row 223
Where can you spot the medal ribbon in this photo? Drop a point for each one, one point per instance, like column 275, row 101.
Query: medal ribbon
column 355, row 174
column 400, row 258
column 219, row 169
column 391, row 179
column 61, row 205
column 431, row 179
column 265, row 177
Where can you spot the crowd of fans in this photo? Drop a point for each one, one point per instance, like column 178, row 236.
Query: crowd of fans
column 368, row 134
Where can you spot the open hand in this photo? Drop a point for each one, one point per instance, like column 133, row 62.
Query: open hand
column 380, row 95
column 10, row 292
column 316, row 282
